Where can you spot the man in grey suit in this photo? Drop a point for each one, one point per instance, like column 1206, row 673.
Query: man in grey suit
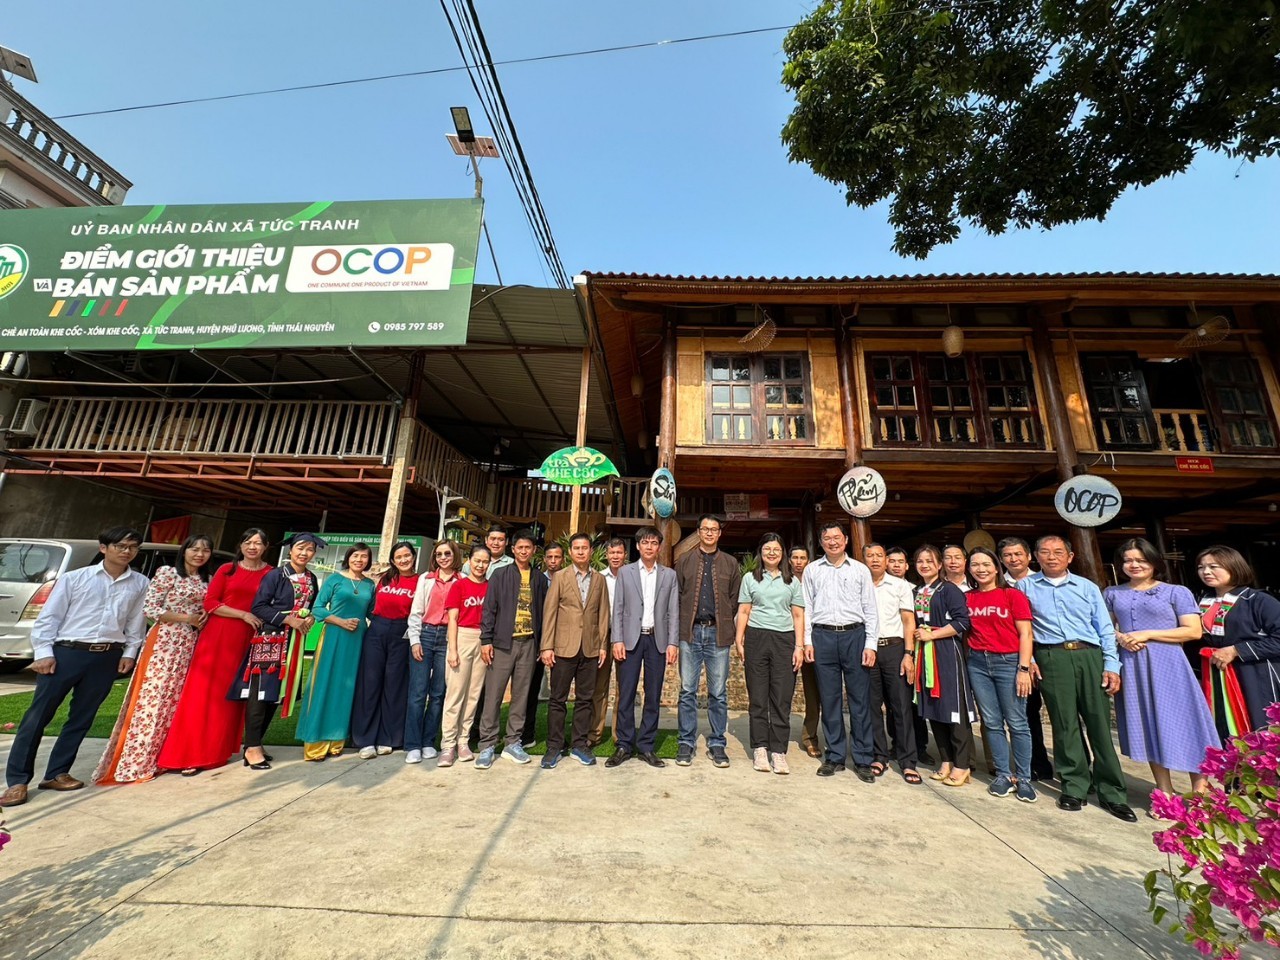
column 646, row 634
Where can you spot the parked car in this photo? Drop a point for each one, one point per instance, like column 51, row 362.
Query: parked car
column 29, row 567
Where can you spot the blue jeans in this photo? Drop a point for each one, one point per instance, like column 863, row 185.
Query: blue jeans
column 426, row 680
column 702, row 650
column 994, row 678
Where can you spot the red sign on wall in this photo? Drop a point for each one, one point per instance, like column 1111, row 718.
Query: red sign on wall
column 1194, row 464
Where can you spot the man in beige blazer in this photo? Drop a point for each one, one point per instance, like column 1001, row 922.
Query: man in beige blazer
column 575, row 629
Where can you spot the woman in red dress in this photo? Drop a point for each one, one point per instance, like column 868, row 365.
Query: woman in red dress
column 207, row 726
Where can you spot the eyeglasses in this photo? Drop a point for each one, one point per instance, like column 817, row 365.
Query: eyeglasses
column 708, row 529
column 127, row 547
column 444, row 553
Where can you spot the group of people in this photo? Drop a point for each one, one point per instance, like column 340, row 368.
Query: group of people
column 425, row 662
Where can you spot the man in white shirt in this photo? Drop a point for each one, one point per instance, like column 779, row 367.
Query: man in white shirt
column 645, row 629
column 842, row 633
column 86, row 635
column 615, row 554
column 895, row 671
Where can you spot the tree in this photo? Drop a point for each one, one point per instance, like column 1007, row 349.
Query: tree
column 1024, row 112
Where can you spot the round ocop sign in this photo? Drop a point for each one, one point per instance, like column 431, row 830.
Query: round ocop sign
column 662, row 493
column 861, row 492
column 1088, row 501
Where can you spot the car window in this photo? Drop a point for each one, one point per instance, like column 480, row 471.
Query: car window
column 30, row 562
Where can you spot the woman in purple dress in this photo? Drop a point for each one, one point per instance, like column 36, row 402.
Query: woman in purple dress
column 1160, row 712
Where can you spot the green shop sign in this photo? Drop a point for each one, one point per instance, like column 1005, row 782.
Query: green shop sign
column 332, row 273
column 575, row 466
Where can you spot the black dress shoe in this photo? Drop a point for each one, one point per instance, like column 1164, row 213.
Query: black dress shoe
column 865, row 774
column 829, row 770
column 1074, row 804
column 652, row 759
column 1121, row 811
column 620, row 756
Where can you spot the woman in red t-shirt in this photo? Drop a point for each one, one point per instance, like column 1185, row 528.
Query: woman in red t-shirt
column 465, row 678
column 382, row 684
column 1000, row 671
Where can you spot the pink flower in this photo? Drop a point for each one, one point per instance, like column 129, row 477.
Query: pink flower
column 1169, row 806
column 1273, row 713
column 1205, row 947
column 4, row 838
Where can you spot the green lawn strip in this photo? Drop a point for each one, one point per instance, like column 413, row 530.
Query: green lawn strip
column 282, row 731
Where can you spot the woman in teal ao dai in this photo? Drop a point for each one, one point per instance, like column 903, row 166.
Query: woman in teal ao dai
column 343, row 606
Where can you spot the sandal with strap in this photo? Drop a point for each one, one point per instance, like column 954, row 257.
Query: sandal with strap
column 878, row 768
column 911, row 777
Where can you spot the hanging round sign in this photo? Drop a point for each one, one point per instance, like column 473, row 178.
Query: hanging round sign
column 861, row 492
column 1088, row 501
column 662, row 493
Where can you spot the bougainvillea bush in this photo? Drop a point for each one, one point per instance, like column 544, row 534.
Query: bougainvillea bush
column 1223, row 850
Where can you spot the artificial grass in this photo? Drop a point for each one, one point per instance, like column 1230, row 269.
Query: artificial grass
column 282, row 731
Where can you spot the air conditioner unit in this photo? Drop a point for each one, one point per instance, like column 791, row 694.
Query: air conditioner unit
column 28, row 417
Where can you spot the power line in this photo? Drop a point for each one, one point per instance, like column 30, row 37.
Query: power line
column 422, row 73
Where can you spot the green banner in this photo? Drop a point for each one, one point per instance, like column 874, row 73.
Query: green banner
column 393, row 273
column 577, row 466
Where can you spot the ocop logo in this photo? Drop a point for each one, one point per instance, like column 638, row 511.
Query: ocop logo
column 394, row 267
column 13, row 267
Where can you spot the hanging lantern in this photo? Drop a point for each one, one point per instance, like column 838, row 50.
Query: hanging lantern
column 953, row 341
column 637, row 386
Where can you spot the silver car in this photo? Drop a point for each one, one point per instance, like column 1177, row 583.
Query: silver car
column 28, row 569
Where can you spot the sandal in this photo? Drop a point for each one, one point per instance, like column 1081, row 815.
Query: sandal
column 878, row 768
column 911, row 777
column 939, row 775
column 953, row 781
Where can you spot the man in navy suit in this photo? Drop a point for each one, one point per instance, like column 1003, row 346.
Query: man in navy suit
column 646, row 634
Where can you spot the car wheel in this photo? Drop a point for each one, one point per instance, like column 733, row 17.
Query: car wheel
column 14, row 666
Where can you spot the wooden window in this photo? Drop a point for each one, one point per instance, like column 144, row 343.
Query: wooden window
column 760, row 399
column 929, row 400
column 1118, row 398
column 1238, row 401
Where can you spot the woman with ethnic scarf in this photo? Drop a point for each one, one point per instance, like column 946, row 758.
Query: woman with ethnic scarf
column 1241, row 656
column 943, row 694
column 269, row 675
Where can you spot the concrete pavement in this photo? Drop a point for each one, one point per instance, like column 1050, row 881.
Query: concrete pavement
column 374, row 858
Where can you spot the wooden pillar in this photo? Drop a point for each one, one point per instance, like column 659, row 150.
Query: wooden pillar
column 1159, row 538
column 1084, row 541
column 406, row 433
column 580, row 438
column 859, row 530
column 667, row 432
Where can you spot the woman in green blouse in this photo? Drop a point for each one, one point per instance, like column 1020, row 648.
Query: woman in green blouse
column 343, row 606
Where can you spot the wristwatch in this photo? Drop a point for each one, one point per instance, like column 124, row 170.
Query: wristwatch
column 1022, row 669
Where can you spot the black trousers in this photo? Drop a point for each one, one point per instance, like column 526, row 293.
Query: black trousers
column 646, row 658
column 891, row 692
column 771, row 683
column 382, row 686
column 955, row 742
column 87, row 677
column 578, row 672
column 258, row 715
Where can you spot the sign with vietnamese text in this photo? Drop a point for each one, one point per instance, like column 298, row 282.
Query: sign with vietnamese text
column 662, row 493
column 861, row 492
column 287, row 275
column 576, row 466
column 1193, row 464
column 1087, row 501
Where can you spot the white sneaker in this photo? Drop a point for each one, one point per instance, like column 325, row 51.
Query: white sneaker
column 780, row 763
column 413, row 756
column 368, row 753
column 383, row 751
column 429, row 753
column 760, row 760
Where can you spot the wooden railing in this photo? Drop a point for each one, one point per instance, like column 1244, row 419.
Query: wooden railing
column 524, row 499
column 1184, row 431
column 219, row 428
column 439, row 465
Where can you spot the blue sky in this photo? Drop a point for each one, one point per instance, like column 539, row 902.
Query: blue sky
column 661, row 160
